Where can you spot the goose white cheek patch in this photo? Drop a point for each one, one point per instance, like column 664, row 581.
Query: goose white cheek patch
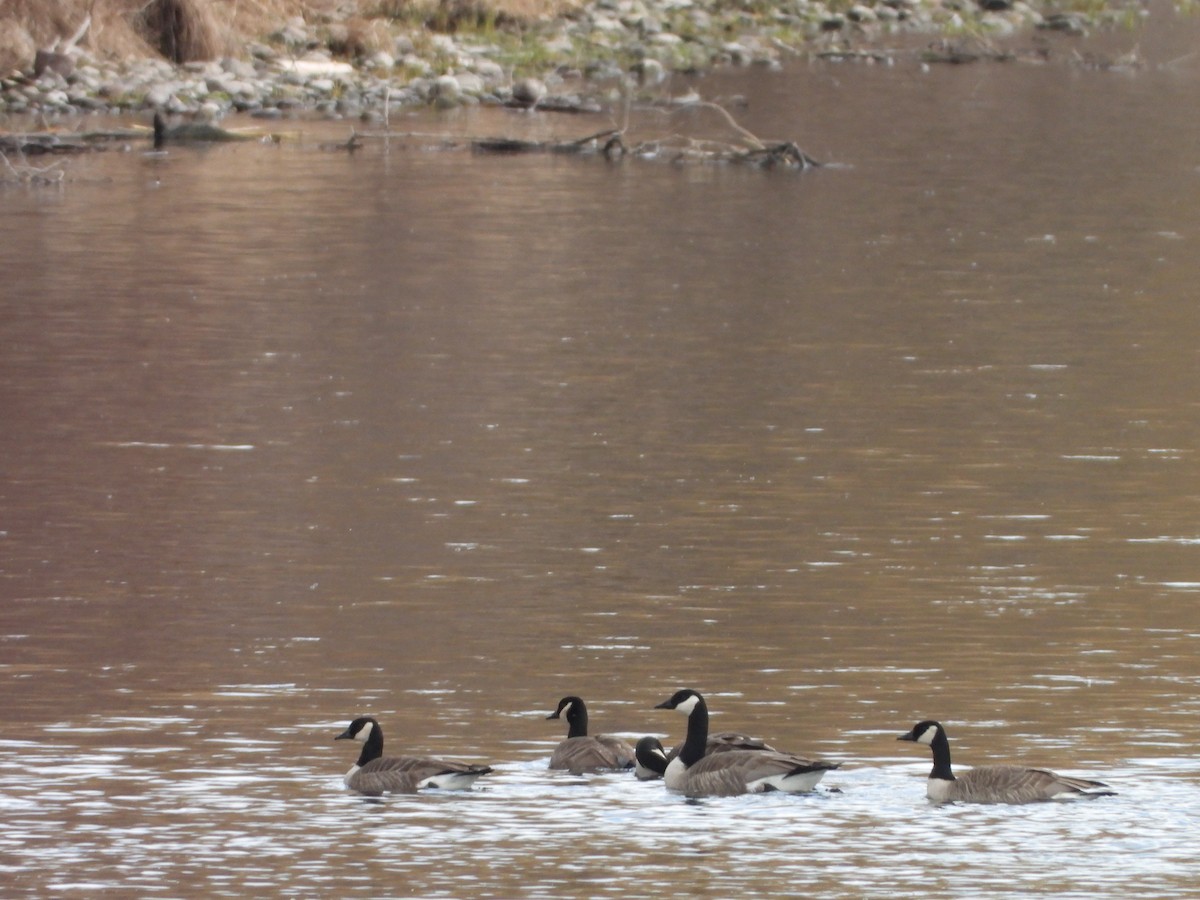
column 688, row 705
column 364, row 733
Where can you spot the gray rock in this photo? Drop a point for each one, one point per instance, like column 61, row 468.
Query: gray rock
column 239, row 68
column 528, row 91
column 416, row 64
column 85, row 82
column 738, row 54
column 607, row 24
column 490, row 71
column 445, row 91
column 294, row 34
column 50, row 80
column 470, row 83
column 997, row 25
column 220, row 85
column 649, row 72
column 381, row 60
column 562, row 45
column 160, row 94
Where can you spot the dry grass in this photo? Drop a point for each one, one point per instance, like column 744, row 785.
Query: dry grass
column 181, row 30
column 202, row 29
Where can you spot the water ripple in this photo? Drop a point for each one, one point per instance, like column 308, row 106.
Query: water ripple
column 122, row 823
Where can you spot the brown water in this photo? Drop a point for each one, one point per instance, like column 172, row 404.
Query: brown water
column 292, row 435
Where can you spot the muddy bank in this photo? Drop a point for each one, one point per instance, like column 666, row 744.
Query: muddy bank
column 595, row 54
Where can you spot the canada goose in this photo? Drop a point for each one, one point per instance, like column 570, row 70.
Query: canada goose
column 732, row 772
column 582, row 752
column 994, row 784
column 650, row 759
column 376, row 774
column 653, row 759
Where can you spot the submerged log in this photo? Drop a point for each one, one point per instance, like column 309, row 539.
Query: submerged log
column 782, row 155
column 42, row 142
column 508, row 145
column 565, row 104
column 192, row 133
column 956, row 54
column 588, row 144
column 36, row 143
column 788, row 155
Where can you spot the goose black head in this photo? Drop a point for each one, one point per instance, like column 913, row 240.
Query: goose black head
column 684, row 700
column 359, row 730
column 651, row 757
column 924, row 732
column 575, row 712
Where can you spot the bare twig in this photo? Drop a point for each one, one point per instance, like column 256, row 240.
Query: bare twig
column 23, row 173
column 752, row 138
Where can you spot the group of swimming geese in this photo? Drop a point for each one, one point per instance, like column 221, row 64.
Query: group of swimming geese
column 704, row 765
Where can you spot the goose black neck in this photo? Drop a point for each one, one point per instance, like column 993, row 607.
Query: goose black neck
column 941, row 757
column 577, row 720
column 697, row 734
column 372, row 746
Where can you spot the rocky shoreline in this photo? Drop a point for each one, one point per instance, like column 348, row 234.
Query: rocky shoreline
column 574, row 62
